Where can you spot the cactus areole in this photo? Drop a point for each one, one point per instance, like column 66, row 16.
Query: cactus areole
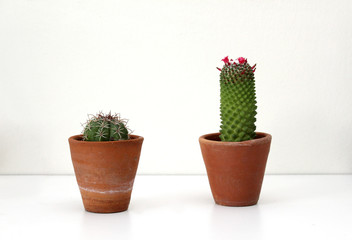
column 105, row 127
column 237, row 100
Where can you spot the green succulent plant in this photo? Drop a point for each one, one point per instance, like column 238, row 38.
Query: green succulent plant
column 237, row 100
column 105, row 127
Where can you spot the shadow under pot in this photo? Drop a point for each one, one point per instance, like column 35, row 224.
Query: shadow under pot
column 235, row 169
column 105, row 172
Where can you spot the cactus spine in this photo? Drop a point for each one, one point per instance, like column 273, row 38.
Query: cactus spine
column 105, row 127
column 238, row 101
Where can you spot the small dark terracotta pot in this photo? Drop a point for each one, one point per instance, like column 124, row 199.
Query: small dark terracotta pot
column 235, row 169
column 105, row 172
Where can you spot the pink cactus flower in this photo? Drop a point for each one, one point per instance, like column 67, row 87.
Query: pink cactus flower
column 242, row 60
column 226, row 60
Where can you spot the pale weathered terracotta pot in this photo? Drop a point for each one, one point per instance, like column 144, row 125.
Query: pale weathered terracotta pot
column 235, row 169
column 105, row 172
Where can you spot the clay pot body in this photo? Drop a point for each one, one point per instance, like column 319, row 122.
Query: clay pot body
column 235, row 169
column 105, row 172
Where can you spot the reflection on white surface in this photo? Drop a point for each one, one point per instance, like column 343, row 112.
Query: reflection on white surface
column 227, row 222
column 177, row 207
column 95, row 226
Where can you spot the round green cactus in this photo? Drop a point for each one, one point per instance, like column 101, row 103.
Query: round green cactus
column 238, row 101
column 105, row 127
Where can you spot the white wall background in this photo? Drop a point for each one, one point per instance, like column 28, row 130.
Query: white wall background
column 154, row 62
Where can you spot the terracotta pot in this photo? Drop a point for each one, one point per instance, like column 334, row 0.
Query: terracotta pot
column 235, row 169
column 105, row 172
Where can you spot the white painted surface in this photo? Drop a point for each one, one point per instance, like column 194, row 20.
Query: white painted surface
column 154, row 62
column 178, row 207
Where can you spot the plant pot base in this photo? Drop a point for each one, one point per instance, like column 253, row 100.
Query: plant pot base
column 95, row 206
column 105, row 202
column 235, row 204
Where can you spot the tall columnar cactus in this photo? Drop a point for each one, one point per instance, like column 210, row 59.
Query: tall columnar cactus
column 105, row 127
column 238, row 100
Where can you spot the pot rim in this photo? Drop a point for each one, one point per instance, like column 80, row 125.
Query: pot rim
column 262, row 138
column 78, row 138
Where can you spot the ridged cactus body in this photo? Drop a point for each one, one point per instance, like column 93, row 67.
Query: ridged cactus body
column 107, row 127
column 238, row 101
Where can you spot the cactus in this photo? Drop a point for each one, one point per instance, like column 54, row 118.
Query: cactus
column 105, row 127
column 238, row 101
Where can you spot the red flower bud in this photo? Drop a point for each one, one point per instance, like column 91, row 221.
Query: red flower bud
column 242, row 60
column 226, row 60
column 253, row 68
column 218, row 69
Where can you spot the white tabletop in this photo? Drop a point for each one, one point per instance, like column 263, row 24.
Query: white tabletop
column 178, row 207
